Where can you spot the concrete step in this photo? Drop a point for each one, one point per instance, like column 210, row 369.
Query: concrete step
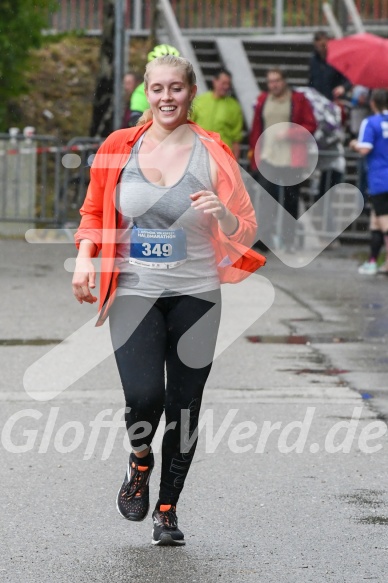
column 297, row 81
column 290, row 67
column 276, row 58
column 292, row 56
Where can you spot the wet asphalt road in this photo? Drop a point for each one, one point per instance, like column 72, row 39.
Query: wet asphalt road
column 262, row 515
column 352, row 312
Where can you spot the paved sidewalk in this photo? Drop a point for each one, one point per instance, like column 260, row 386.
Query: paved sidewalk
column 269, row 514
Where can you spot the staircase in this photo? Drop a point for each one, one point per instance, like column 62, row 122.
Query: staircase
column 292, row 56
column 263, row 54
column 208, row 57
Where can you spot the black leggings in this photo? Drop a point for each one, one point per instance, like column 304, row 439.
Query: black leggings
column 159, row 374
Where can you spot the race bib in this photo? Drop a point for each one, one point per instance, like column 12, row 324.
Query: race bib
column 158, row 248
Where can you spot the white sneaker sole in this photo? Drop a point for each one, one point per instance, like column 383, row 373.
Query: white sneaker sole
column 166, row 540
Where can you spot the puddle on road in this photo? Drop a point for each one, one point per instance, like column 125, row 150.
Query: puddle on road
column 44, row 266
column 29, row 341
column 304, row 339
column 369, row 499
column 372, row 306
column 364, row 497
column 302, row 319
column 327, row 371
column 373, row 519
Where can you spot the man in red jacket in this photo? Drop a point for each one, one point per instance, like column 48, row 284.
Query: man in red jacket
column 279, row 159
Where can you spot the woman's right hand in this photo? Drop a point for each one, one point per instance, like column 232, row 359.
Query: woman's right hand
column 84, row 278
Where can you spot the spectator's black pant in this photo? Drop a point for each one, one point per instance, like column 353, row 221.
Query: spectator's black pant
column 155, row 378
column 329, row 178
column 285, row 194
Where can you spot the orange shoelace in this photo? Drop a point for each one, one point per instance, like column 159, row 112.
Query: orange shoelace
column 168, row 516
column 135, row 484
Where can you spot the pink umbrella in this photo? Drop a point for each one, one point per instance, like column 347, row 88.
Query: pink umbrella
column 362, row 58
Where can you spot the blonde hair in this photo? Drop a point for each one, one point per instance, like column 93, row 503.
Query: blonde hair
column 170, row 61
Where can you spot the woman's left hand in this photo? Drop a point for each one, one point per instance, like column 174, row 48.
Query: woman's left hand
column 208, row 202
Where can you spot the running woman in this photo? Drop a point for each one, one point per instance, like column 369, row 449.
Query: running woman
column 168, row 211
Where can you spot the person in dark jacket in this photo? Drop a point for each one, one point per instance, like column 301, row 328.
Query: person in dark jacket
column 281, row 155
column 323, row 77
column 130, row 82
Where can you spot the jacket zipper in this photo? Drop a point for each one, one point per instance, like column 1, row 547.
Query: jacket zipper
column 101, row 318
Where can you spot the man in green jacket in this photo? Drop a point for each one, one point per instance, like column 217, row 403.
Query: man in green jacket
column 217, row 111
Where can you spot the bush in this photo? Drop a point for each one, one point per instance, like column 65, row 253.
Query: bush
column 21, row 22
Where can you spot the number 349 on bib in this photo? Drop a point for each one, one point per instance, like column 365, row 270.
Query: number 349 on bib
column 156, row 250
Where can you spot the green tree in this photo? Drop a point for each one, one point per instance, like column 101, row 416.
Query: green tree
column 21, row 22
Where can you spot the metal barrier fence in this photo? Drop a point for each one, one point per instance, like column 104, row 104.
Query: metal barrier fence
column 41, row 181
column 226, row 15
column 75, row 178
column 88, row 15
column 321, row 221
column 340, row 204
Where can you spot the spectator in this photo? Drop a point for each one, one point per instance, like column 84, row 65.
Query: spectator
column 217, row 111
column 373, row 143
column 282, row 154
column 360, row 108
column 329, row 138
column 130, row 82
column 333, row 85
column 323, row 77
column 359, row 111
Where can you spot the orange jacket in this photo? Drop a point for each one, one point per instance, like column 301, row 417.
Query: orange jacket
column 99, row 211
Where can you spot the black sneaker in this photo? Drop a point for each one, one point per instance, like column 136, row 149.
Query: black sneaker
column 133, row 499
column 166, row 531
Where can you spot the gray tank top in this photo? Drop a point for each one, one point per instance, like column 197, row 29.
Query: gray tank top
column 147, row 206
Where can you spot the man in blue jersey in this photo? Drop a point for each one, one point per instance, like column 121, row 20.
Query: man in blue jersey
column 372, row 142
